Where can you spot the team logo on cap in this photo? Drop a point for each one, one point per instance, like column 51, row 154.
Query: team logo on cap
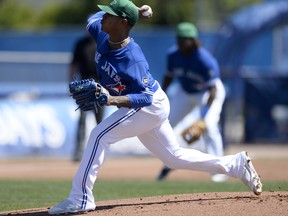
column 113, row 2
column 123, row 14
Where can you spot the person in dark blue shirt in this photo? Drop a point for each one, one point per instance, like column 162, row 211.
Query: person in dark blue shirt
column 143, row 110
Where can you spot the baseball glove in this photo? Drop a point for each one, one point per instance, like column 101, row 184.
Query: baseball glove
column 193, row 133
column 88, row 94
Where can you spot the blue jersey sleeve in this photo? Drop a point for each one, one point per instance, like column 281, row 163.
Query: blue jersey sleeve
column 140, row 100
column 142, row 84
column 94, row 25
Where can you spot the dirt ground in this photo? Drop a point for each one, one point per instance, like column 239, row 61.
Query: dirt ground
column 268, row 160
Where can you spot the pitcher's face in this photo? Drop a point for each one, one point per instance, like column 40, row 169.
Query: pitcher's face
column 111, row 23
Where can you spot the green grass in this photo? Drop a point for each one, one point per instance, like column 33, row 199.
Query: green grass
column 26, row 194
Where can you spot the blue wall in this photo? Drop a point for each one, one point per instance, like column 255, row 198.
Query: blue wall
column 154, row 43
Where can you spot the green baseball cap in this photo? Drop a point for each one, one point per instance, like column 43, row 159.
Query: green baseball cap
column 122, row 8
column 186, row 30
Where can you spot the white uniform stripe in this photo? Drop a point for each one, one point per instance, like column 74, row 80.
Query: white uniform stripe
column 90, row 23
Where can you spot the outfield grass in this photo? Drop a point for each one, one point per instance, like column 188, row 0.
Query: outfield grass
column 15, row 195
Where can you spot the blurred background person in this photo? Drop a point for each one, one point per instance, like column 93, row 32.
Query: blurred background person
column 199, row 87
column 83, row 66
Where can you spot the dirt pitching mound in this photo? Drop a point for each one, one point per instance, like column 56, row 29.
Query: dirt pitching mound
column 208, row 204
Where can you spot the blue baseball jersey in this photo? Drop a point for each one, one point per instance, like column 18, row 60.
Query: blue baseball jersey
column 195, row 72
column 123, row 71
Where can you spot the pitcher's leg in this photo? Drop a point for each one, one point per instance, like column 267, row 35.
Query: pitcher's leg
column 81, row 197
column 162, row 143
column 85, row 177
column 119, row 125
column 98, row 144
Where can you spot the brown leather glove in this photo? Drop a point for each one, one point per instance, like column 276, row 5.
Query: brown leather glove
column 193, row 133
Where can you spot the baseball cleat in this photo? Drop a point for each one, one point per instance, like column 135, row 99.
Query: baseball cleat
column 67, row 206
column 250, row 176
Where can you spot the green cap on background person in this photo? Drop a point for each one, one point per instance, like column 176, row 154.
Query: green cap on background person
column 186, row 30
column 122, row 8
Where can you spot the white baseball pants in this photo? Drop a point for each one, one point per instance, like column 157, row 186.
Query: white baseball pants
column 151, row 126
